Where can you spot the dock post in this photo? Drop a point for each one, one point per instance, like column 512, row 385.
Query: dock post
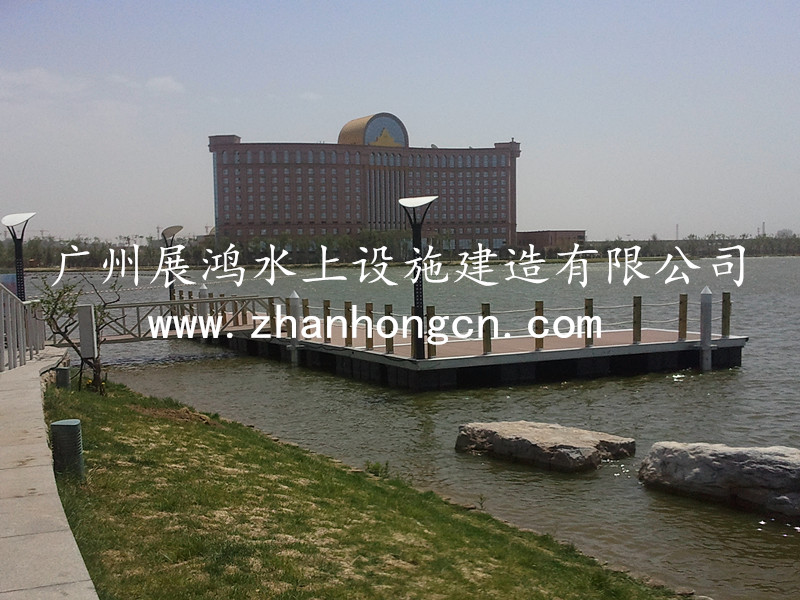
column 348, row 319
column 192, row 311
column 235, row 312
column 180, row 306
column 223, row 307
column 202, row 307
column 415, row 332
column 368, row 313
column 326, row 315
column 637, row 319
column 387, row 311
column 588, row 312
column 726, row 314
column 486, row 333
column 430, row 312
column 294, row 308
column 539, row 311
column 306, row 311
column 272, row 320
column 683, row 316
column 705, row 329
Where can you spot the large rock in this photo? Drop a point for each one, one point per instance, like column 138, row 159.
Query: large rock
column 751, row 478
column 544, row 444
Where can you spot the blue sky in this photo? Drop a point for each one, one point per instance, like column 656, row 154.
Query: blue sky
column 633, row 117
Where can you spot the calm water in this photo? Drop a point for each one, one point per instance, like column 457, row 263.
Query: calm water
column 608, row 514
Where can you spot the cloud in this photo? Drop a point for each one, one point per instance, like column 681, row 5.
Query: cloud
column 37, row 82
column 124, row 81
column 164, row 85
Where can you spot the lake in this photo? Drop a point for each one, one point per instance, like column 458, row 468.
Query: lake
column 715, row 550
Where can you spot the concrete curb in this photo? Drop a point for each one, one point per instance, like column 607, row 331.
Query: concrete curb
column 40, row 557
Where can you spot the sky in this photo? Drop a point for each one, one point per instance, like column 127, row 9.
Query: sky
column 634, row 118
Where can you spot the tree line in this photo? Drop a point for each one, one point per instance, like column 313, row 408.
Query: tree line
column 46, row 252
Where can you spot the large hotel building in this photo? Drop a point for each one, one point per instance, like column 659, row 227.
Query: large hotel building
column 266, row 190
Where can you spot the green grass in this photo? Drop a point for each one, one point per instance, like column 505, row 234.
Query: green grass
column 181, row 505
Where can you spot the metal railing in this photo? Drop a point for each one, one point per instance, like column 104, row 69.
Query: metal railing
column 130, row 322
column 22, row 331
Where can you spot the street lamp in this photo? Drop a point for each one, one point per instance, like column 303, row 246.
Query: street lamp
column 416, row 208
column 168, row 235
column 11, row 222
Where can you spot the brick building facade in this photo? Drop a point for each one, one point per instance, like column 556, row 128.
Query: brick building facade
column 300, row 190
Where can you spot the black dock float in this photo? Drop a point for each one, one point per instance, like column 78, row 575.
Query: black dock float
column 460, row 364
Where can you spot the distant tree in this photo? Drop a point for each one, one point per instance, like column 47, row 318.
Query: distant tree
column 784, row 233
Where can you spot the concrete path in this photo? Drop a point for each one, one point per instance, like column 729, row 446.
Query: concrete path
column 39, row 558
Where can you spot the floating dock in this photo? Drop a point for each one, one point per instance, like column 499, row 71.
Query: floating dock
column 491, row 359
column 512, row 361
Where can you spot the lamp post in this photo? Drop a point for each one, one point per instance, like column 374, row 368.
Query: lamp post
column 11, row 222
column 416, row 208
column 168, row 235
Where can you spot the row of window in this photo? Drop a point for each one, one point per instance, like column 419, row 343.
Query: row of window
column 445, row 244
column 311, row 217
column 390, row 159
column 484, row 203
column 235, row 157
column 357, row 172
column 286, row 171
column 385, row 159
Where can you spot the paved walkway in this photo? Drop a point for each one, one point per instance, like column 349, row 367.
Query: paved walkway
column 39, row 558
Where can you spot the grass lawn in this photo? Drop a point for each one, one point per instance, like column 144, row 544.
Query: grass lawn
column 178, row 505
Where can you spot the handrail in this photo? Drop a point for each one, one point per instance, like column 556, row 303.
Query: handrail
column 22, row 331
column 124, row 322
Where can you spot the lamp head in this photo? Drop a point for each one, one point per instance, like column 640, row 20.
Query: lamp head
column 171, row 231
column 416, row 201
column 16, row 219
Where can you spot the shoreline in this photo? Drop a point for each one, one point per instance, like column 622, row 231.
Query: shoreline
column 397, row 498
